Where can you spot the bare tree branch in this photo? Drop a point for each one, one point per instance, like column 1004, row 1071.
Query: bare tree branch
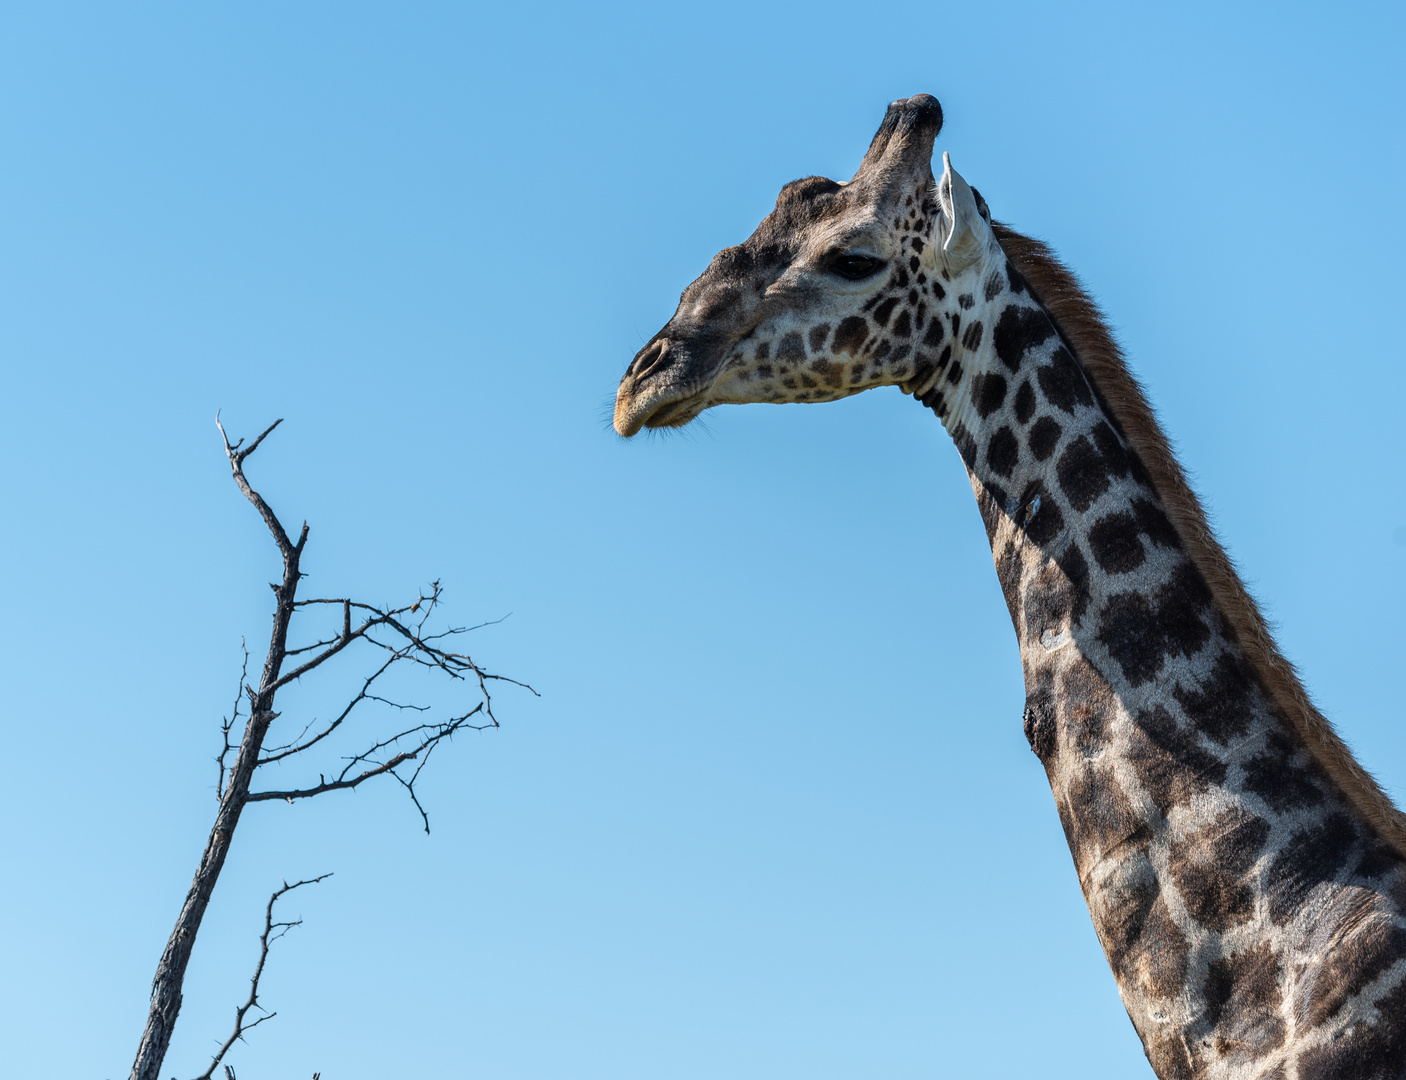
column 402, row 634
column 344, row 781
column 272, row 932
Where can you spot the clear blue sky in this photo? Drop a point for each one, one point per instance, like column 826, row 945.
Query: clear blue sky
column 773, row 814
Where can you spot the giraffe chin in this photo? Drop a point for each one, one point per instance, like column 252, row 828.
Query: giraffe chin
column 678, row 413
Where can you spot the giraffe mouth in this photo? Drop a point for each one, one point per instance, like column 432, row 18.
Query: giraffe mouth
column 677, row 413
column 657, row 407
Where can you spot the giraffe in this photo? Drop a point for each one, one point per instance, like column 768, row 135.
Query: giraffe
column 1246, row 877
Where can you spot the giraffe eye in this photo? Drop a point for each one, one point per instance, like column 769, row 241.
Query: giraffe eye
column 854, row 267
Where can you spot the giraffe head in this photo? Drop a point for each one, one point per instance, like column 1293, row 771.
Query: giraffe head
column 842, row 287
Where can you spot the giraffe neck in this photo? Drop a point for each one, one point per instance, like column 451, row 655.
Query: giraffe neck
column 1251, row 916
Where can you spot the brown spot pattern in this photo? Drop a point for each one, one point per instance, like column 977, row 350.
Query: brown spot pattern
column 1242, row 1004
column 1210, row 868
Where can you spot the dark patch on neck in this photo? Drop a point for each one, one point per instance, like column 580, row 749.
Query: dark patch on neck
column 1242, row 1003
column 1142, row 633
column 1170, row 763
column 1311, row 856
column 1222, row 706
column 1211, row 868
column 1019, row 329
column 1277, row 778
column 1064, row 382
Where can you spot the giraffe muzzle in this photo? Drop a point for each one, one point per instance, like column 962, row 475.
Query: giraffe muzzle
column 670, row 380
column 655, row 391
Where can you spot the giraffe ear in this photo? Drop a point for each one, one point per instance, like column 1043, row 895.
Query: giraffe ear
column 962, row 233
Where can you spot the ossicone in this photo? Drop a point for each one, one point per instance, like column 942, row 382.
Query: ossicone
column 905, row 137
column 962, row 233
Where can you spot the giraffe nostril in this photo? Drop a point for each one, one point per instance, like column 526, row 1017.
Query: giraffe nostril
column 650, row 359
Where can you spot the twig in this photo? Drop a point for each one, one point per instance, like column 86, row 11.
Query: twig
column 272, row 932
column 228, row 723
column 236, row 463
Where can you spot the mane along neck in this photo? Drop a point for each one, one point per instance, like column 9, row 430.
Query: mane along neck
column 1081, row 325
